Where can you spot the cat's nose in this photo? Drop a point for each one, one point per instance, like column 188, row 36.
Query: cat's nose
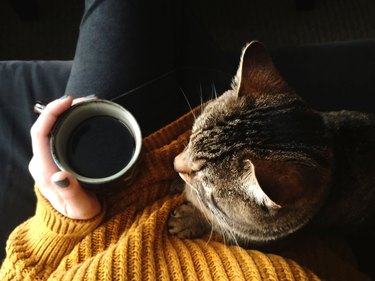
column 181, row 164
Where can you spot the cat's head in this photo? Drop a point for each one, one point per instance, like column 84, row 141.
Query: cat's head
column 258, row 158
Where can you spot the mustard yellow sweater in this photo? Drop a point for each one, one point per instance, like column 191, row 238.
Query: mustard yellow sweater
column 129, row 239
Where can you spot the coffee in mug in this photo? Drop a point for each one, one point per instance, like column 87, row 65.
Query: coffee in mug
column 99, row 142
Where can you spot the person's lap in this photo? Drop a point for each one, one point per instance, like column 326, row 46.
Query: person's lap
column 128, row 51
column 121, row 45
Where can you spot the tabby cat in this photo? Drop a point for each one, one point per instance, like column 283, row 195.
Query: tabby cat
column 261, row 164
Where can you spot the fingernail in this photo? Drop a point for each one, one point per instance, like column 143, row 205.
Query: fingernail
column 39, row 107
column 63, row 97
column 62, row 183
column 90, row 97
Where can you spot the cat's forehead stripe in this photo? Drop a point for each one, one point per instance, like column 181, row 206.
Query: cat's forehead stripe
column 264, row 130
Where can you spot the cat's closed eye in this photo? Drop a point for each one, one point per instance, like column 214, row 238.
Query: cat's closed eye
column 197, row 165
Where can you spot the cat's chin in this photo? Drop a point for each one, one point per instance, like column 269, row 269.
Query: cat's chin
column 251, row 238
column 236, row 227
column 244, row 229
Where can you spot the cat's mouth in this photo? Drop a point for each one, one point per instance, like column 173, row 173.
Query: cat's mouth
column 207, row 198
column 186, row 178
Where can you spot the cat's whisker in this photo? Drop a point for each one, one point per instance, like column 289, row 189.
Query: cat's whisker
column 211, row 233
column 201, row 96
column 214, row 92
column 233, row 235
column 219, row 224
column 211, row 97
column 224, row 231
column 211, row 224
column 216, row 216
column 225, row 228
column 187, row 101
column 200, row 202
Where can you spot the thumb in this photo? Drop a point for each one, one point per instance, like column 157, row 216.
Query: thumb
column 75, row 202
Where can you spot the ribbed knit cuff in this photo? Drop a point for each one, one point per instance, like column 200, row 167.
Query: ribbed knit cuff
column 46, row 216
column 45, row 239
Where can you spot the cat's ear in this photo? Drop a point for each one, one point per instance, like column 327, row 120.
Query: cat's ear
column 286, row 183
column 254, row 189
column 257, row 74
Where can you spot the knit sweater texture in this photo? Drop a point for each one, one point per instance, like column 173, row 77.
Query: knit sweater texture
column 129, row 239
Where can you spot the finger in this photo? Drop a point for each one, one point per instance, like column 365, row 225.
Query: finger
column 38, row 174
column 35, row 172
column 43, row 183
column 82, row 99
column 73, row 201
column 40, row 134
column 47, row 118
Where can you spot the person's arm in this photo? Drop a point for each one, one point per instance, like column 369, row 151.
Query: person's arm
column 36, row 247
column 65, row 211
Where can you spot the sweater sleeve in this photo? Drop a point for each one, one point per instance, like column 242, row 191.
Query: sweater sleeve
column 36, row 247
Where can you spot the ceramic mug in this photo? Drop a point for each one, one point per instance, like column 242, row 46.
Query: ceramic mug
column 99, row 142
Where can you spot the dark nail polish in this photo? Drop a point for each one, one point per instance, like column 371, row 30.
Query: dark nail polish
column 62, row 183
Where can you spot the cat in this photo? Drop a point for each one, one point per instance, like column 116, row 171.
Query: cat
column 261, row 164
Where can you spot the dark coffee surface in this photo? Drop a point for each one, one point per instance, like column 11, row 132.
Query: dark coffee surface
column 99, row 147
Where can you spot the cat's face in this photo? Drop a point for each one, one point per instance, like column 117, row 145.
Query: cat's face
column 257, row 162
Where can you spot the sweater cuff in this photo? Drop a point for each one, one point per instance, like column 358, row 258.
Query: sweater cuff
column 57, row 223
column 42, row 241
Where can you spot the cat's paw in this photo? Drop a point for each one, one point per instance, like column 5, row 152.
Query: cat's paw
column 186, row 222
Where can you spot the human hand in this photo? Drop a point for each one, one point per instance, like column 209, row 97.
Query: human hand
column 60, row 188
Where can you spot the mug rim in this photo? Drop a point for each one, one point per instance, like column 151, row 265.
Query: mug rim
column 130, row 122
